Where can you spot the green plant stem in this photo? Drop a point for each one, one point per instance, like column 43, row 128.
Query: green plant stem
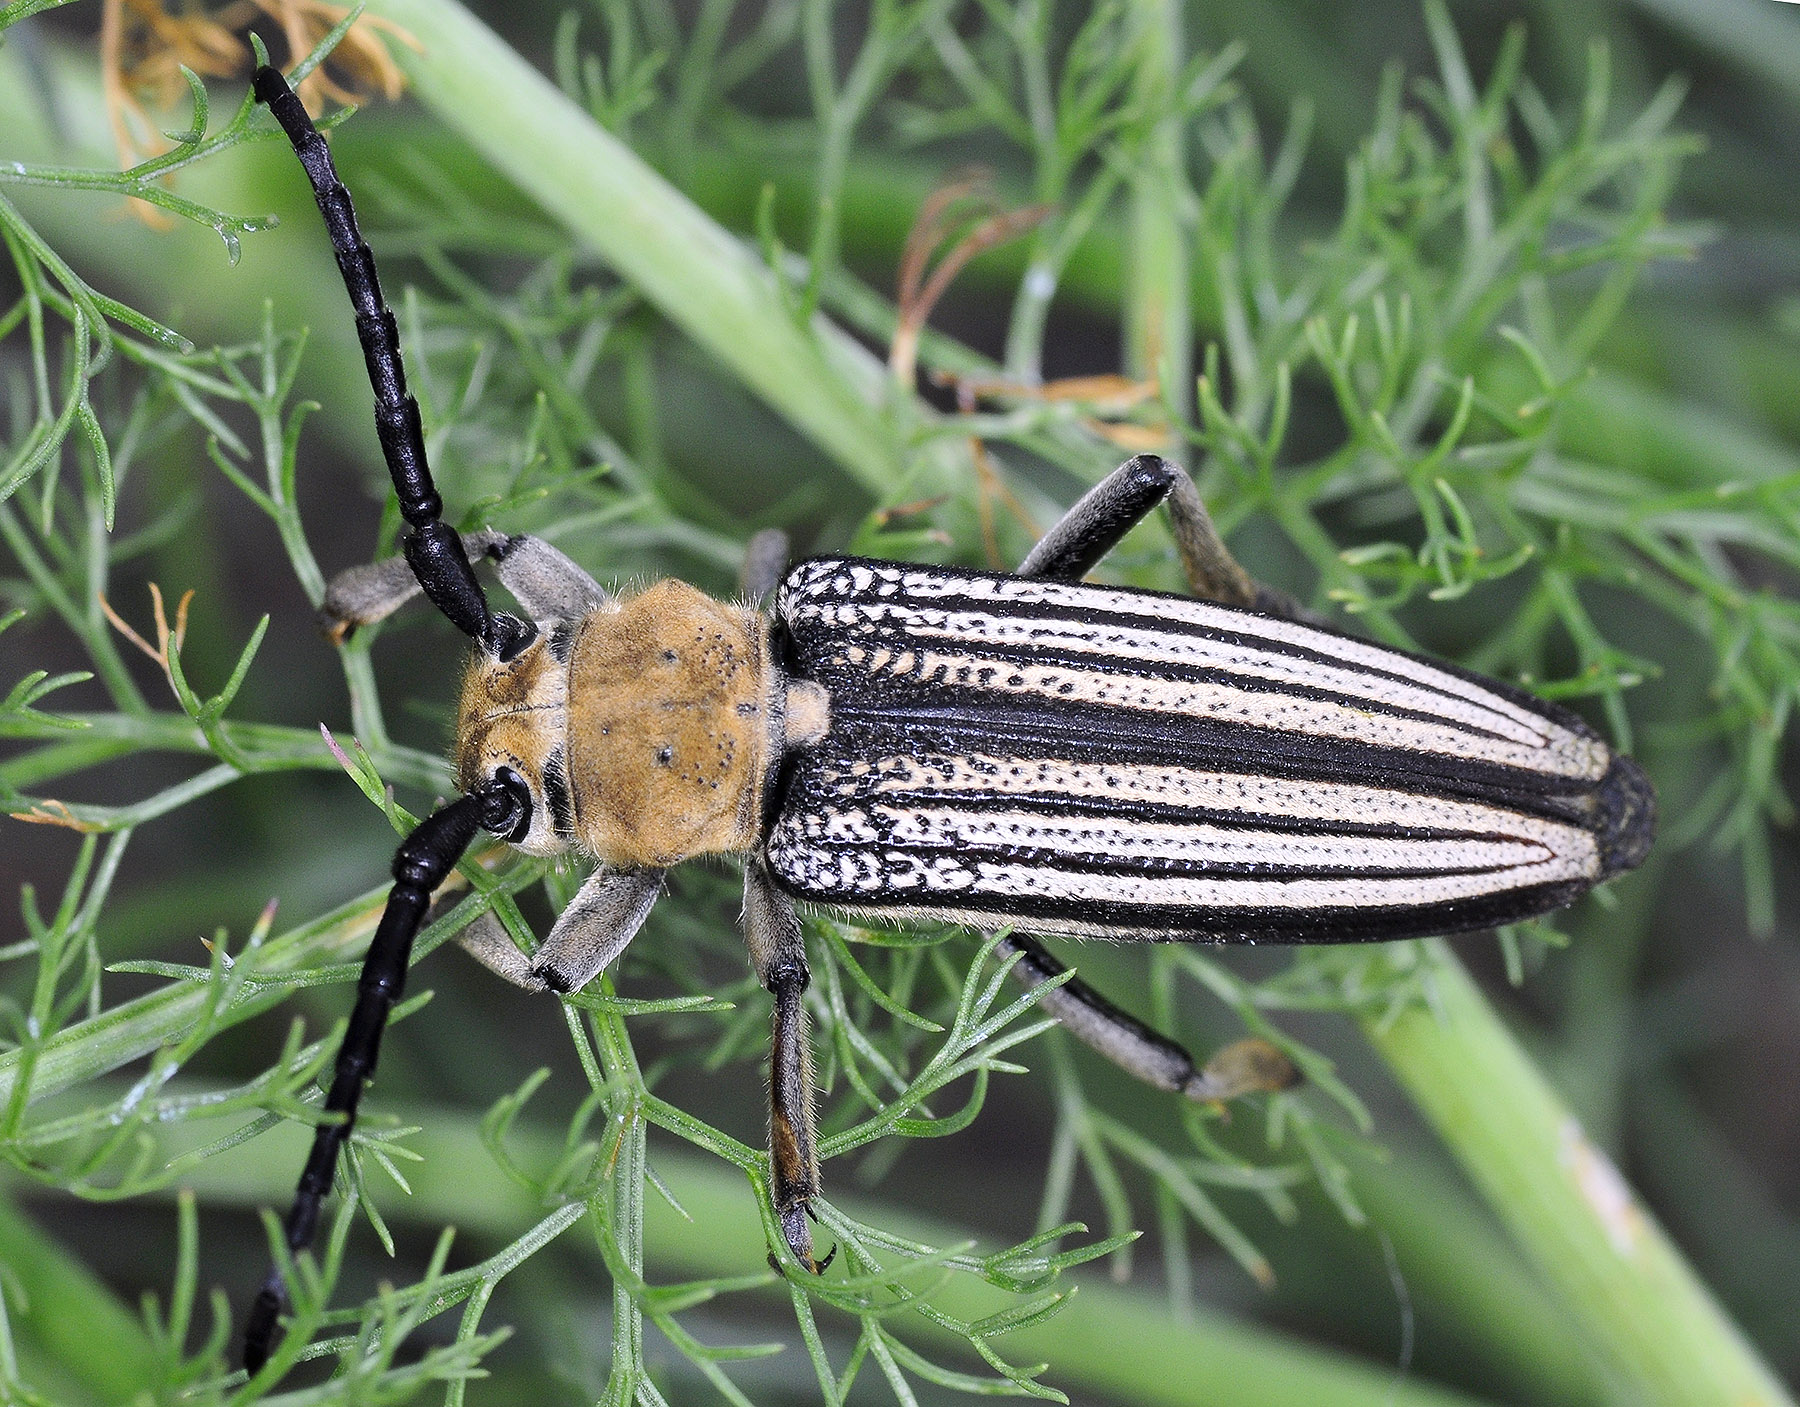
column 62, row 1309
column 1613, row 417
column 697, row 274
column 1207, row 1361
column 152, row 267
column 1464, row 1274
column 1564, row 1202
column 120, row 1034
column 274, row 746
column 1158, row 292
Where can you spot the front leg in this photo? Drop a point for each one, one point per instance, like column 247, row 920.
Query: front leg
column 772, row 931
column 546, row 584
column 602, row 918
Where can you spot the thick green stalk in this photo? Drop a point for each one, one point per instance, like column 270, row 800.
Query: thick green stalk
column 1564, row 1202
column 698, row 275
column 1159, row 329
column 1206, row 1361
column 59, row 1310
column 1474, row 1293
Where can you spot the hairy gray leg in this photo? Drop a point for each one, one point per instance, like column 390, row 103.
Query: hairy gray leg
column 363, row 595
column 772, row 931
column 599, row 923
column 1097, row 521
column 1244, row 1067
column 547, row 584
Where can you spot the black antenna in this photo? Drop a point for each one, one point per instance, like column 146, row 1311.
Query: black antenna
column 501, row 804
column 432, row 548
column 424, row 861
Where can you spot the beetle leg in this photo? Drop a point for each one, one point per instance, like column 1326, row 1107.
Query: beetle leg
column 363, row 595
column 1067, row 552
column 1245, row 1067
column 599, row 923
column 544, row 581
column 765, row 563
column 487, row 941
column 547, row 584
column 772, row 931
column 1124, row 498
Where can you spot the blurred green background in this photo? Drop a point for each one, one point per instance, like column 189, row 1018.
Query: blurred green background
column 1671, row 1026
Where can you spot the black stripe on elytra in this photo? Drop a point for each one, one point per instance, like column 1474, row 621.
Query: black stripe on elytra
column 1051, row 858
column 862, row 730
column 1174, row 923
column 827, row 582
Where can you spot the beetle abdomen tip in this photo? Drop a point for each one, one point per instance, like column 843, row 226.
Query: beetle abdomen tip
column 1627, row 817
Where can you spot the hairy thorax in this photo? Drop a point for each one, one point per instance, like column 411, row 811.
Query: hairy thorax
column 672, row 705
column 647, row 731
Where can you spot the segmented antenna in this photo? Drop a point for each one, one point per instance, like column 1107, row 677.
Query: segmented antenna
column 432, row 548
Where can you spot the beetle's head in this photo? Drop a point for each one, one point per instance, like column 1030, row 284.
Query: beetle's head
column 514, row 718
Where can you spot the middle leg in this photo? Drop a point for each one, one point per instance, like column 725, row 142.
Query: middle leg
column 1102, row 516
column 547, row 584
column 602, row 918
column 1067, row 552
column 772, row 931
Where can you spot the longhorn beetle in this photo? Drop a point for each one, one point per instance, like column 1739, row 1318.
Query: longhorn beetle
column 931, row 742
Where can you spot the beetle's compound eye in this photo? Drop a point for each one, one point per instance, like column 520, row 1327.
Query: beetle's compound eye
column 511, row 818
column 511, row 636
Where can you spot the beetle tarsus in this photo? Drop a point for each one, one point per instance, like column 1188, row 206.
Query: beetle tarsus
column 1250, row 1066
column 798, row 1235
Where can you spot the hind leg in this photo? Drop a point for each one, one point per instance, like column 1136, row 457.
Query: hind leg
column 1067, row 552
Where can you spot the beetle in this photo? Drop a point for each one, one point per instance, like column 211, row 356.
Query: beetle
column 1009, row 751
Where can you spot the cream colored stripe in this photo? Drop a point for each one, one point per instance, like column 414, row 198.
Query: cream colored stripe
column 1181, row 787
column 897, row 875
column 1154, row 646
column 1121, row 838
column 1255, row 708
column 1579, row 755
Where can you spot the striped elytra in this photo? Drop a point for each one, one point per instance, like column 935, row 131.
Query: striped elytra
column 1124, row 764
